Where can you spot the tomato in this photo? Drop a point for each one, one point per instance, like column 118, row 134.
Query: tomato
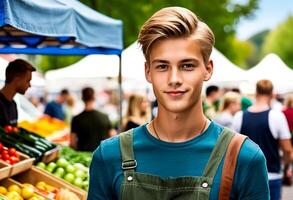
column 15, row 130
column 13, row 160
column 8, row 128
column 12, row 151
column 1, row 147
column 5, row 156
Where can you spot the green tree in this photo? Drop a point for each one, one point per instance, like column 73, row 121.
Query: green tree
column 280, row 41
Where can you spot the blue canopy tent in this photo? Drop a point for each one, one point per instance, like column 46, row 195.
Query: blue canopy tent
column 58, row 27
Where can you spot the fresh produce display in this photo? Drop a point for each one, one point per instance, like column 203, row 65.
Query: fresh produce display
column 76, row 174
column 76, row 156
column 24, row 141
column 9, row 155
column 15, row 192
column 45, row 126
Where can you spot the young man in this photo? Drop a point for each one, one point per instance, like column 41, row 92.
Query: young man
column 171, row 157
column 18, row 75
column 90, row 127
column 55, row 108
column 269, row 129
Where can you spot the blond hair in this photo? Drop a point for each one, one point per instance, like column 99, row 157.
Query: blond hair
column 134, row 109
column 176, row 22
column 264, row 87
column 228, row 99
column 289, row 101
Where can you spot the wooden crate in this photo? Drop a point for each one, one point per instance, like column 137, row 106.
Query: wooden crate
column 51, row 155
column 25, row 163
column 4, row 170
column 34, row 175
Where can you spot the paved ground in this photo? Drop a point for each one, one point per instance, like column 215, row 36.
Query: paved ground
column 287, row 193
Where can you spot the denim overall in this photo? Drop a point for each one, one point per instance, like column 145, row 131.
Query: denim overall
column 140, row 186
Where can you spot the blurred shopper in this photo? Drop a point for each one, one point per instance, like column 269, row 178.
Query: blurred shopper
column 288, row 111
column 269, row 129
column 138, row 112
column 90, row 127
column 18, row 75
column 245, row 101
column 231, row 103
column 68, row 109
column 55, row 108
column 180, row 153
column 213, row 95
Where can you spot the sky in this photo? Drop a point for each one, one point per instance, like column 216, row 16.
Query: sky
column 268, row 16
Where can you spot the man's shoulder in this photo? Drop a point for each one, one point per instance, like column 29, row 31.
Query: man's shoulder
column 109, row 149
column 250, row 153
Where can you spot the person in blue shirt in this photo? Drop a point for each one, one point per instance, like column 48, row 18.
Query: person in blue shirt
column 55, row 108
column 178, row 155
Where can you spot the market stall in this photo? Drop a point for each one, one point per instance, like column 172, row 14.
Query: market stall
column 64, row 27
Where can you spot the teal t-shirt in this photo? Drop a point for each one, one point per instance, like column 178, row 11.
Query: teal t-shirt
column 167, row 159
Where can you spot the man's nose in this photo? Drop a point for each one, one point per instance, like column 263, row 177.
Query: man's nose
column 175, row 77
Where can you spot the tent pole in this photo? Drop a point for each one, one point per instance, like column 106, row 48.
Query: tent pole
column 120, row 94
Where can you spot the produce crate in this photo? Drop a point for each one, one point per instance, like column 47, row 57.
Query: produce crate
column 51, row 155
column 24, row 163
column 35, row 175
column 4, row 170
column 8, row 181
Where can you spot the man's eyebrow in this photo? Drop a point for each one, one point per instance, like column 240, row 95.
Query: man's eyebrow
column 190, row 60
column 159, row 61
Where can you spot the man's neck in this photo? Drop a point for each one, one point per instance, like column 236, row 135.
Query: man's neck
column 89, row 106
column 9, row 92
column 174, row 127
column 262, row 103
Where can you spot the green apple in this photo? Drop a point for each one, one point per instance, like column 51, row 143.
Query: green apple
column 70, row 168
column 60, row 170
column 51, row 166
column 78, row 182
column 80, row 173
column 41, row 165
column 79, row 166
column 69, row 177
column 62, row 162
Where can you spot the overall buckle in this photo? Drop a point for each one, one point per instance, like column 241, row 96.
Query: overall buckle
column 129, row 164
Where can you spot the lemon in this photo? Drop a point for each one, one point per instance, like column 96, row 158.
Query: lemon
column 15, row 188
column 3, row 190
column 27, row 192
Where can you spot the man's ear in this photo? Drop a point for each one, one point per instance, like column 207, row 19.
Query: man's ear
column 209, row 70
column 147, row 68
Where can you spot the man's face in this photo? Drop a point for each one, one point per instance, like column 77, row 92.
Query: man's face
column 176, row 70
column 23, row 82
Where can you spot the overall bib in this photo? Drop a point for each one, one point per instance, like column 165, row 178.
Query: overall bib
column 140, row 186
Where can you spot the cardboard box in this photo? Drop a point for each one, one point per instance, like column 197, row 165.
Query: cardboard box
column 25, row 163
column 4, row 169
column 35, row 175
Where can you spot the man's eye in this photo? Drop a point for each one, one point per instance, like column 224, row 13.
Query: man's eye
column 187, row 66
column 161, row 67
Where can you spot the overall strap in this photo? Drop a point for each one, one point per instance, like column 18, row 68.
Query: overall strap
column 126, row 148
column 218, row 153
column 230, row 166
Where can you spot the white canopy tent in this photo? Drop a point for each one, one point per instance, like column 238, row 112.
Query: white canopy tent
column 271, row 67
column 92, row 70
column 225, row 72
column 133, row 69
